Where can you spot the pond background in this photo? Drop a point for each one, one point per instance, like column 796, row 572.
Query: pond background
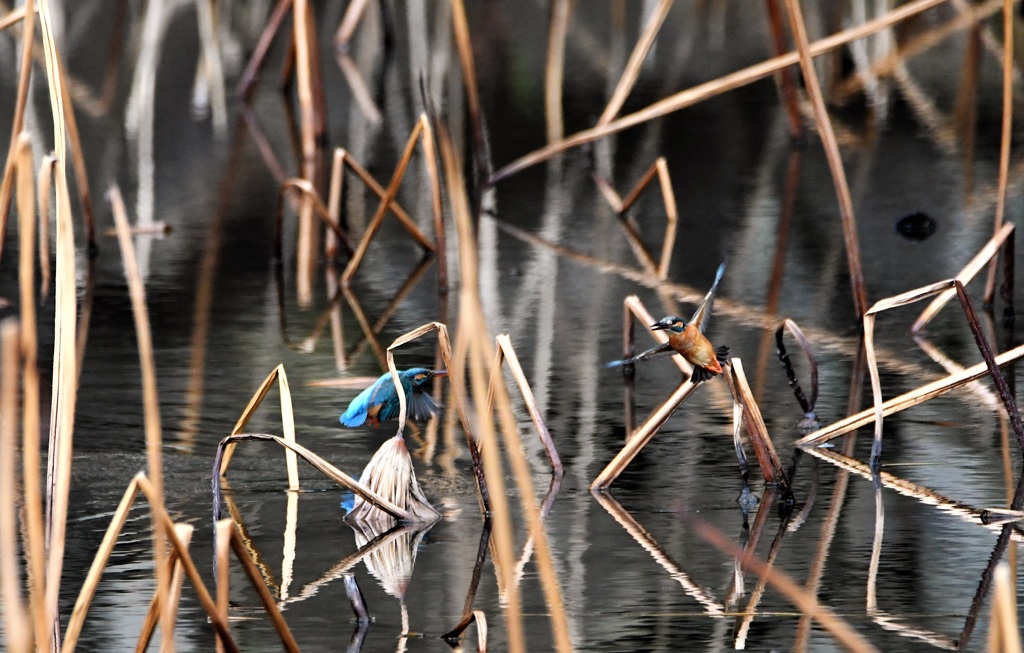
column 728, row 157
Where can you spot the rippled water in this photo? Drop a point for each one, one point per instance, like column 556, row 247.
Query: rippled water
column 662, row 587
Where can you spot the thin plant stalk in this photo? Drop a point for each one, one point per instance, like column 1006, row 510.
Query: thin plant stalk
column 353, row 15
column 151, row 403
column 1003, row 633
column 808, row 604
column 641, row 437
column 306, row 189
column 224, row 532
column 287, row 422
column 269, row 605
column 382, row 209
column 1004, row 234
column 304, row 46
column 464, row 47
column 907, row 400
column 701, row 92
column 807, row 405
column 17, row 629
column 28, row 16
column 835, row 160
column 1005, row 138
column 473, row 349
column 34, row 531
column 177, row 575
column 247, row 82
column 786, row 78
column 65, row 377
column 658, row 169
column 521, row 470
column 505, row 352
column 44, row 185
column 380, row 192
column 554, row 69
column 320, row 464
column 767, row 458
column 636, row 61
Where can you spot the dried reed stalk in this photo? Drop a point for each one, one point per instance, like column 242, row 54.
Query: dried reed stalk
column 907, row 400
column 329, row 470
column 12, row 18
column 369, row 334
column 660, row 169
column 636, row 60
column 506, row 352
column 305, row 48
column 750, row 610
column 786, row 79
column 979, row 337
column 725, row 83
column 65, row 377
column 34, row 528
column 524, row 481
column 28, row 16
column 1003, row 632
column 247, row 82
column 810, row 419
column 1005, row 138
column 177, row 574
column 223, row 531
column 43, row 190
column 632, row 306
column 767, row 459
column 835, row 159
column 353, row 14
column 641, row 437
column 287, row 422
column 464, row 47
column 807, row 603
column 151, row 403
column 473, row 349
column 371, row 229
column 554, row 69
column 308, row 191
column 343, row 158
column 17, row 628
column 1004, row 234
column 210, row 65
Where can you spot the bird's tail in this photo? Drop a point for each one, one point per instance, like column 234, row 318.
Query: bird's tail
column 650, row 353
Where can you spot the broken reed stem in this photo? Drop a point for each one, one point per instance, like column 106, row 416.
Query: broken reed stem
column 34, row 528
column 316, row 461
column 1005, row 138
column 28, row 16
column 176, row 572
column 908, row 399
column 504, row 346
column 1003, row 632
column 786, row 79
column 1003, row 236
column 304, row 55
column 436, row 206
column 807, row 405
column 385, row 202
column 635, row 63
column 767, row 459
column 807, row 603
column 308, row 191
column 465, row 49
column 527, row 494
column 223, row 531
column 269, row 604
column 641, row 437
column 725, row 83
column 668, row 197
column 247, row 82
column 287, row 422
column 65, row 377
column 17, row 629
column 835, row 160
column 349, row 22
column 554, row 69
column 151, row 404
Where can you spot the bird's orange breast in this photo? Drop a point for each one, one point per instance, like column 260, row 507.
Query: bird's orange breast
column 695, row 348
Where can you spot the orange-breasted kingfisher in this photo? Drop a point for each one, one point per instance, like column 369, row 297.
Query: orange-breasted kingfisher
column 687, row 339
column 380, row 402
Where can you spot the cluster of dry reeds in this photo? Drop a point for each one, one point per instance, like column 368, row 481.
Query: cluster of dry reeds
column 388, row 492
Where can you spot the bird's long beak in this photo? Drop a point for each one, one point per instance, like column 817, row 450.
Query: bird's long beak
column 658, row 327
column 440, row 372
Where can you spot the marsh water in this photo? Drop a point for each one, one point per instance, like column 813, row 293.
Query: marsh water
column 633, row 575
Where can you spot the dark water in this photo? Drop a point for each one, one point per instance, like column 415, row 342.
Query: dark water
column 729, row 159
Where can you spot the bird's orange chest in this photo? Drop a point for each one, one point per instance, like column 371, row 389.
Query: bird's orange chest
column 694, row 347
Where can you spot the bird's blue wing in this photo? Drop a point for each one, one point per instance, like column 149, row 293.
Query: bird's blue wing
column 422, row 405
column 355, row 414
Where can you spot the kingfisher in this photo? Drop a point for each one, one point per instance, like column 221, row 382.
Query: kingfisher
column 380, row 402
column 687, row 339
